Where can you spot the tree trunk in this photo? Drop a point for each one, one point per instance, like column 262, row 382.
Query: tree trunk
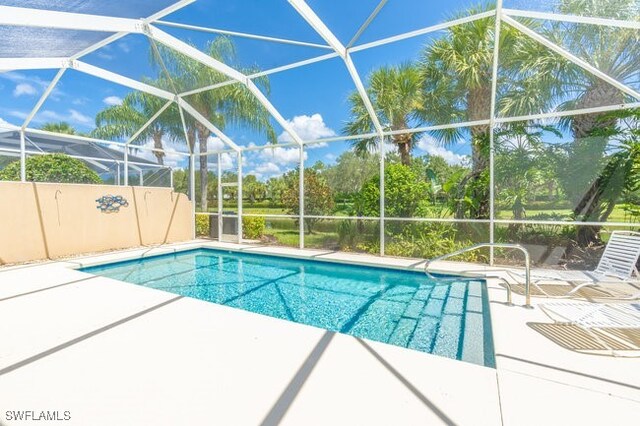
column 588, row 151
column 157, row 144
column 405, row 154
column 478, row 108
column 191, row 141
column 203, row 136
column 403, row 142
column 518, row 209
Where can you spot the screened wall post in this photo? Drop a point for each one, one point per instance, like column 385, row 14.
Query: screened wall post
column 192, row 189
column 382, row 196
column 126, row 165
column 301, row 197
column 220, row 219
column 492, row 126
column 239, row 197
column 23, row 157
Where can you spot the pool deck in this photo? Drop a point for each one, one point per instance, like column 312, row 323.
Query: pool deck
column 114, row 353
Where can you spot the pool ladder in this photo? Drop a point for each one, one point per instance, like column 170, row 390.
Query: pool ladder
column 527, row 265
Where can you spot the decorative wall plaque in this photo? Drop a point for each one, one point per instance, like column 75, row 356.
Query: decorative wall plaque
column 111, row 203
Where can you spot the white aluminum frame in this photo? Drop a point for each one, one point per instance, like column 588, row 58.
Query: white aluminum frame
column 122, row 26
column 240, row 34
column 492, row 126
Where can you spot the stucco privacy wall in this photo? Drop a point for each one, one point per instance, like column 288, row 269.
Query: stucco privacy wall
column 48, row 220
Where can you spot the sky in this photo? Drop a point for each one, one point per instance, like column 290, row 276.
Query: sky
column 313, row 99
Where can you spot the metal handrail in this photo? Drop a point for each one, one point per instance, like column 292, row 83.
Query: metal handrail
column 527, row 264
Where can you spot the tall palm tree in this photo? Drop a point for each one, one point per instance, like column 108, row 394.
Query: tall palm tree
column 229, row 105
column 614, row 52
column 621, row 171
column 59, row 127
column 396, row 95
column 547, row 80
column 124, row 120
column 521, row 164
column 457, row 73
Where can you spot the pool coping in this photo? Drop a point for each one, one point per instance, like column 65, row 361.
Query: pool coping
column 524, row 361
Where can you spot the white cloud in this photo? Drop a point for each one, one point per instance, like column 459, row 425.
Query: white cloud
column 281, row 156
column 308, row 128
column 18, row 114
column 24, row 89
column 124, row 47
column 214, row 143
column 432, row 147
column 112, row 100
column 36, row 84
column 265, row 170
column 78, row 117
column 17, row 78
column 227, row 162
column 270, row 162
column 171, row 157
column 105, row 56
column 52, row 116
column 72, row 116
column 268, row 168
column 264, row 163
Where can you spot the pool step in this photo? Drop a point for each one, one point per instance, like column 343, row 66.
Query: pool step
column 446, row 320
column 406, row 326
column 474, row 326
column 426, row 330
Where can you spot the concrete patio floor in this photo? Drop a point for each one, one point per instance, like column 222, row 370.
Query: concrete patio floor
column 115, row 353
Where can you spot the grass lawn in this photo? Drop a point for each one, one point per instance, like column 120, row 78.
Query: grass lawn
column 247, row 208
column 343, row 209
column 325, row 234
column 617, row 215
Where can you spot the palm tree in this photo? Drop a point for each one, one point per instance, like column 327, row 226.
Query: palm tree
column 457, row 72
column 124, row 120
column 545, row 80
column 229, row 105
column 621, row 171
column 522, row 164
column 59, row 127
column 396, row 95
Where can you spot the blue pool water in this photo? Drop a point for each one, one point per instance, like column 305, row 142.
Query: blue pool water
column 398, row 307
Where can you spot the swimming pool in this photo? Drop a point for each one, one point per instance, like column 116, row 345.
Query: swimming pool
column 403, row 308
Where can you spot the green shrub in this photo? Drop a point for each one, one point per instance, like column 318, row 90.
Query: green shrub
column 202, row 225
column 253, row 227
column 404, row 189
column 357, row 235
column 429, row 240
column 59, row 168
column 318, row 197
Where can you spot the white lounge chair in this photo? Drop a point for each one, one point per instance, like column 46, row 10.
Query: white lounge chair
column 598, row 320
column 617, row 265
